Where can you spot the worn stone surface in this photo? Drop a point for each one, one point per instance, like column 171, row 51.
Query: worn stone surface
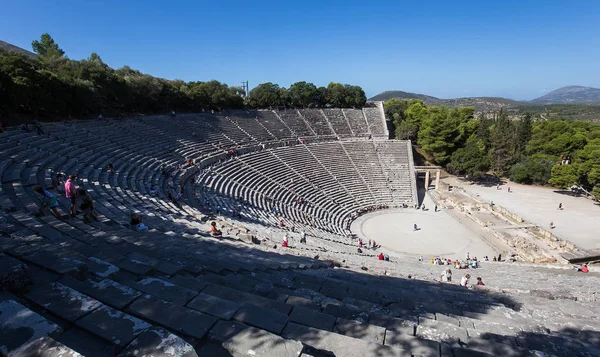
column 310, row 317
column 106, row 291
column 100, row 267
column 174, row 317
column 241, row 340
column 60, row 265
column 267, row 319
column 353, row 328
column 86, row 343
column 441, row 331
column 166, row 290
column 214, row 306
column 47, row 347
column 242, row 298
column 407, row 327
column 156, row 342
column 20, row 326
column 339, row 345
column 417, row 346
column 63, row 301
column 304, row 302
column 15, row 276
column 498, row 349
column 113, row 325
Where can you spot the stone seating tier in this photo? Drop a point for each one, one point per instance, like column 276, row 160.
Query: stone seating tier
column 68, row 288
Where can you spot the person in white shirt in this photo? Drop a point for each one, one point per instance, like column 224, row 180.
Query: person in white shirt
column 465, row 280
column 446, row 275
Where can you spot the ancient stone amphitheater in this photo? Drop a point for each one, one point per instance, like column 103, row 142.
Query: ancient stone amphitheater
column 70, row 288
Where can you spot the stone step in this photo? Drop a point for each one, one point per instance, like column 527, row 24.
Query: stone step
column 339, row 345
column 177, row 318
column 63, row 301
column 107, row 291
column 19, row 327
column 165, row 290
column 157, row 342
column 240, row 340
column 113, row 325
column 46, row 347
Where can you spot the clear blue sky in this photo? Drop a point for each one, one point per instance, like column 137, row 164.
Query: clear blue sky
column 516, row 49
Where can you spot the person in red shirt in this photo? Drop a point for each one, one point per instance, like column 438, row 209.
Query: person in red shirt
column 479, row 282
column 381, row 256
column 583, row 268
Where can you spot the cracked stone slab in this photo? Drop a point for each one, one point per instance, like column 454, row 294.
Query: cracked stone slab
column 156, row 342
column 113, row 325
column 63, row 301
column 241, row 340
column 20, row 326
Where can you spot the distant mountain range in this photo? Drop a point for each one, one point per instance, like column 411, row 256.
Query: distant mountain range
column 571, row 95
column 5, row 46
column 564, row 95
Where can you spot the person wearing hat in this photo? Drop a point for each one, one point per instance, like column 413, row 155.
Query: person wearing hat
column 71, row 193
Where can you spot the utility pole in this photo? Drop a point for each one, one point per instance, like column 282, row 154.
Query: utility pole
column 245, row 88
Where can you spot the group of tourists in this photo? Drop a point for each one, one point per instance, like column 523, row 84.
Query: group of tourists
column 72, row 193
column 446, row 276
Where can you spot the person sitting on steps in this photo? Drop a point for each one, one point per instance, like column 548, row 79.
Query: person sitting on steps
column 214, row 231
column 136, row 223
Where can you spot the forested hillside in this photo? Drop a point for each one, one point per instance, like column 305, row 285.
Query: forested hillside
column 50, row 84
column 557, row 152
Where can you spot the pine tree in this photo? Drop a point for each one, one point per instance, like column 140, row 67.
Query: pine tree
column 502, row 144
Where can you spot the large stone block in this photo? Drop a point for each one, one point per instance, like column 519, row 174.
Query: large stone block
column 309, row 317
column 63, row 301
column 166, row 290
column 113, row 325
column 174, row 317
column 107, row 291
column 339, row 345
column 214, row 306
column 158, row 343
column 416, row 346
column 15, row 276
column 242, row 298
column 20, row 326
column 47, row 347
column 353, row 328
column 242, row 341
column 270, row 320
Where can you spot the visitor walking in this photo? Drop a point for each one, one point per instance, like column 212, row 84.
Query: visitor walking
column 48, row 200
column 71, row 194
